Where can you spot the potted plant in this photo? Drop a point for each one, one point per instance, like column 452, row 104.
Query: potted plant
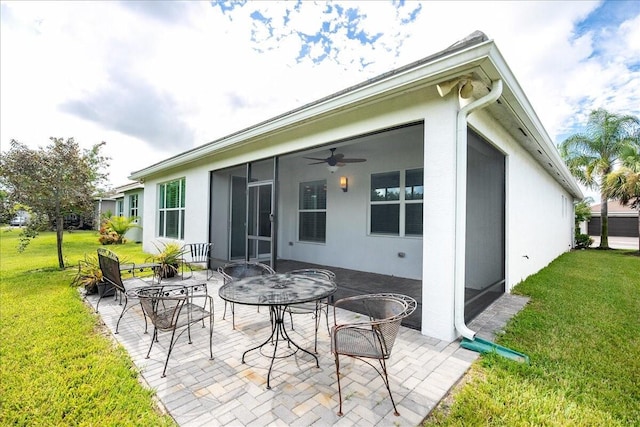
column 169, row 258
column 89, row 276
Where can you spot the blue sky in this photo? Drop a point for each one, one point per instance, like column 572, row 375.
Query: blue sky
column 153, row 79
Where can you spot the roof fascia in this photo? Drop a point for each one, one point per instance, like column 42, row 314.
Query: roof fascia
column 516, row 101
column 128, row 187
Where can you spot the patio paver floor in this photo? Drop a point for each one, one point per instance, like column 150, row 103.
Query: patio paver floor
column 225, row 392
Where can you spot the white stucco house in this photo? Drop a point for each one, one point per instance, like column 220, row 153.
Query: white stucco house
column 128, row 202
column 442, row 172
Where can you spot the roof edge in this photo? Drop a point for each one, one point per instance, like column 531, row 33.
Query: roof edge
column 474, row 39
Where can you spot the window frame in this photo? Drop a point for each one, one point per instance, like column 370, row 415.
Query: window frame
column 134, row 206
column 162, row 211
column 302, row 211
column 120, row 207
column 401, row 202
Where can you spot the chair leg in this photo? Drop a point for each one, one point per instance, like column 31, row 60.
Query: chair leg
column 171, row 344
column 211, row 335
column 233, row 314
column 383, row 365
column 145, row 319
column 317, row 319
column 153, row 339
column 126, row 301
column 291, row 319
column 339, row 388
column 326, row 317
column 98, row 304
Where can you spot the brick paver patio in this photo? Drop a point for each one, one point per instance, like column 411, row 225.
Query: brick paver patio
column 225, row 392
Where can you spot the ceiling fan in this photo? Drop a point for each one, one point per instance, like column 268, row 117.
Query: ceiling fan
column 334, row 160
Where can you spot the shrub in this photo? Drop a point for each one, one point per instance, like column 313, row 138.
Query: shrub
column 583, row 241
column 114, row 228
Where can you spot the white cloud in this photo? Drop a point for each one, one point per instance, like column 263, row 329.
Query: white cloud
column 156, row 79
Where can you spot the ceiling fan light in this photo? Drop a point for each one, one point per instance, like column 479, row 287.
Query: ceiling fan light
column 333, row 168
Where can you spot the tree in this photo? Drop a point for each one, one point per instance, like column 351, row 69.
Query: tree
column 593, row 154
column 54, row 181
column 624, row 183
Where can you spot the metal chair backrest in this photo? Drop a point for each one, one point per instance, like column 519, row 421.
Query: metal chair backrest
column 162, row 304
column 110, row 266
column 242, row 269
column 327, row 274
column 198, row 252
column 385, row 312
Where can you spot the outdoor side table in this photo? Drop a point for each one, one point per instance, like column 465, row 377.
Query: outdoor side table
column 277, row 291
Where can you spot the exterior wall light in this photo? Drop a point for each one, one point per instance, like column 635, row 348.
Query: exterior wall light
column 344, row 183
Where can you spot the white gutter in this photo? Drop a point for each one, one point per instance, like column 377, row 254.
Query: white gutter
column 461, row 205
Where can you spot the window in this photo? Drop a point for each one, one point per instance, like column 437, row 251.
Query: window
column 312, row 211
column 171, row 209
column 414, row 195
column 120, row 207
column 396, row 203
column 133, row 206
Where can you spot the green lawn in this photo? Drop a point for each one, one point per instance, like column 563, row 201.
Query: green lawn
column 56, row 367
column 581, row 330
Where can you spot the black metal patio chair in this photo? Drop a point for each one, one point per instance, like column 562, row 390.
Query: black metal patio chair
column 112, row 276
column 371, row 338
column 171, row 307
column 316, row 308
column 240, row 270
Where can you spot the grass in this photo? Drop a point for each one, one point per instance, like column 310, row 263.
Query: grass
column 56, row 365
column 581, row 331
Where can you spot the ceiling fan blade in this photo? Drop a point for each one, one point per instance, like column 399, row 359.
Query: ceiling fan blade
column 314, row 158
column 353, row 160
column 317, row 163
column 340, row 164
column 338, row 157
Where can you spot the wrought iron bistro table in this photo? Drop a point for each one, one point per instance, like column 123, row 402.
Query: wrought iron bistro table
column 277, row 291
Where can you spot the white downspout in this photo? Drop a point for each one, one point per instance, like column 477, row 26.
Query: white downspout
column 461, row 205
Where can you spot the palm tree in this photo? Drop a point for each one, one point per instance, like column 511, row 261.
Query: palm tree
column 592, row 155
column 624, row 183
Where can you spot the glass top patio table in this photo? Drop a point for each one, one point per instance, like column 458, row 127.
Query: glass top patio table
column 277, row 289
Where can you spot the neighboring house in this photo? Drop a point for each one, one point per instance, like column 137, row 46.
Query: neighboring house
column 128, row 203
column 103, row 206
column 623, row 221
column 125, row 200
column 462, row 187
